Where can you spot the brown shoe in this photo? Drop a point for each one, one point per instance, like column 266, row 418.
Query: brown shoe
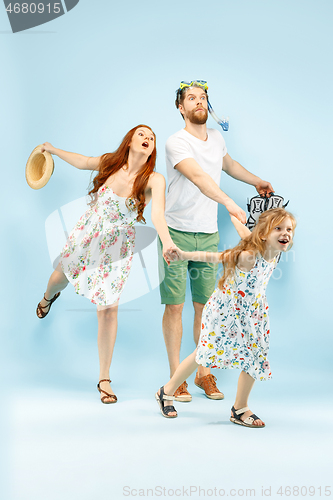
column 208, row 384
column 182, row 394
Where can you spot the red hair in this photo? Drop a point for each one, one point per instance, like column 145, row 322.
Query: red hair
column 255, row 241
column 110, row 163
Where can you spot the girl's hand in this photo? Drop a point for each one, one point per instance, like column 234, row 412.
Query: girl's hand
column 174, row 253
column 48, row 148
column 241, row 229
column 236, row 211
column 168, row 252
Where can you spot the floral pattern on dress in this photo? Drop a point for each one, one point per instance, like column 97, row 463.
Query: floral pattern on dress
column 98, row 254
column 235, row 323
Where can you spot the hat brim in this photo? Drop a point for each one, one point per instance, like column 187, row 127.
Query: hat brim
column 39, row 168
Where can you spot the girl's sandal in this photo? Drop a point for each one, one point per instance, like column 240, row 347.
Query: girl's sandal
column 108, row 396
column 165, row 410
column 248, row 422
column 39, row 311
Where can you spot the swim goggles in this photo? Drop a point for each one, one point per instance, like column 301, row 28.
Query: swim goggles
column 224, row 122
column 199, row 83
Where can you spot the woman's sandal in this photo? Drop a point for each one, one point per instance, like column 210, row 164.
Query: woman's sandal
column 107, row 395
column 248, row 422
column 165, row 410
column 40, row 308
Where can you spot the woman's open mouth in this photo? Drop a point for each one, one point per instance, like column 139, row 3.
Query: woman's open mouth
column 283, row 242
column 145, row 144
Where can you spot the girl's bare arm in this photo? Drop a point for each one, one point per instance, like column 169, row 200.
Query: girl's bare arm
column 246, row 259
column 178, row 254
column 242, row 230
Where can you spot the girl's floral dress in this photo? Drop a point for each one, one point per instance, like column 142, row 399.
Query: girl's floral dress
column 235, row 323
column 98, row 254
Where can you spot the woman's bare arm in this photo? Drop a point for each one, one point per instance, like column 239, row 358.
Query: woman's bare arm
column 156, row 184
column 78, row 161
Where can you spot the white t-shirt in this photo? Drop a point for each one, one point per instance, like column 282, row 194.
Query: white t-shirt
column 187, row 209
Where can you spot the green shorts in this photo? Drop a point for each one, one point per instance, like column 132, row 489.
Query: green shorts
column 202, row 274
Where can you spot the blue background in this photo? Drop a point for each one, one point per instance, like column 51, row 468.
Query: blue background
column 81, row 82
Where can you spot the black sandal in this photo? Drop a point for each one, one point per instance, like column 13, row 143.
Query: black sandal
column 248, row 422
column 165, row 410
column 50, row 302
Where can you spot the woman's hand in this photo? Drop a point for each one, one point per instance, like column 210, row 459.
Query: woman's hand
column 48, row 148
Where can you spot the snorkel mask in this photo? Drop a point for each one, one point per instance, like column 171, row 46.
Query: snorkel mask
column 224, row 122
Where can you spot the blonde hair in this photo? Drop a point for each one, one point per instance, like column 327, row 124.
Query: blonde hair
column 255, row 241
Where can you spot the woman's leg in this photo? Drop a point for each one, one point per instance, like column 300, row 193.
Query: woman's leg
column 245, row 384
column 107, row 333
column 57, row 283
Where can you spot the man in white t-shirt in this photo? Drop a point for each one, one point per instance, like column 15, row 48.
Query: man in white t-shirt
column 195, row 157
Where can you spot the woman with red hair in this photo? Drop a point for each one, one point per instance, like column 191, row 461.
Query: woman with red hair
column 98, row 254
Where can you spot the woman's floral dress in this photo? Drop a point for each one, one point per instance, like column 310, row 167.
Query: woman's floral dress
column 98, row 254
column 235, row 323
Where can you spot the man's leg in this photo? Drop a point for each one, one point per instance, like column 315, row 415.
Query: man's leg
column 203, row 280
column 198, row 308
column 173, row 289
column 172, row 332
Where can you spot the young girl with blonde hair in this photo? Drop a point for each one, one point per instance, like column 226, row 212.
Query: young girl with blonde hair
column 235, row 323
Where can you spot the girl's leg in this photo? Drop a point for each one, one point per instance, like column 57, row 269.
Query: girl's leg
column 184, row 370
column 57, row 283
column 245, row 384
column 107, row 333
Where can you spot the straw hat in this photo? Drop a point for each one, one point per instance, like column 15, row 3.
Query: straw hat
column 39, row 168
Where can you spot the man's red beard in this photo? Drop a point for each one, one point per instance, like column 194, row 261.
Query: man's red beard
column 198, row 117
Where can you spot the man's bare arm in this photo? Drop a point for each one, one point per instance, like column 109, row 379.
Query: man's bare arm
column 193, row 172
column 237, row 171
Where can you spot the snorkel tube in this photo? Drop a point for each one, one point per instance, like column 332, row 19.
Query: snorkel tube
column 224, row 122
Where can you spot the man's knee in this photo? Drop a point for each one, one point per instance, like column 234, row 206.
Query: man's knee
column 174, row 309
column 198, row 307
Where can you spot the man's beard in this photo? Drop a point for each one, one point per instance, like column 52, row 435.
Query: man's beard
column 198, row 117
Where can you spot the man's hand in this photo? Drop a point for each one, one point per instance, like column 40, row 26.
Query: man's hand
column 264, row 188
column 235, row 210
